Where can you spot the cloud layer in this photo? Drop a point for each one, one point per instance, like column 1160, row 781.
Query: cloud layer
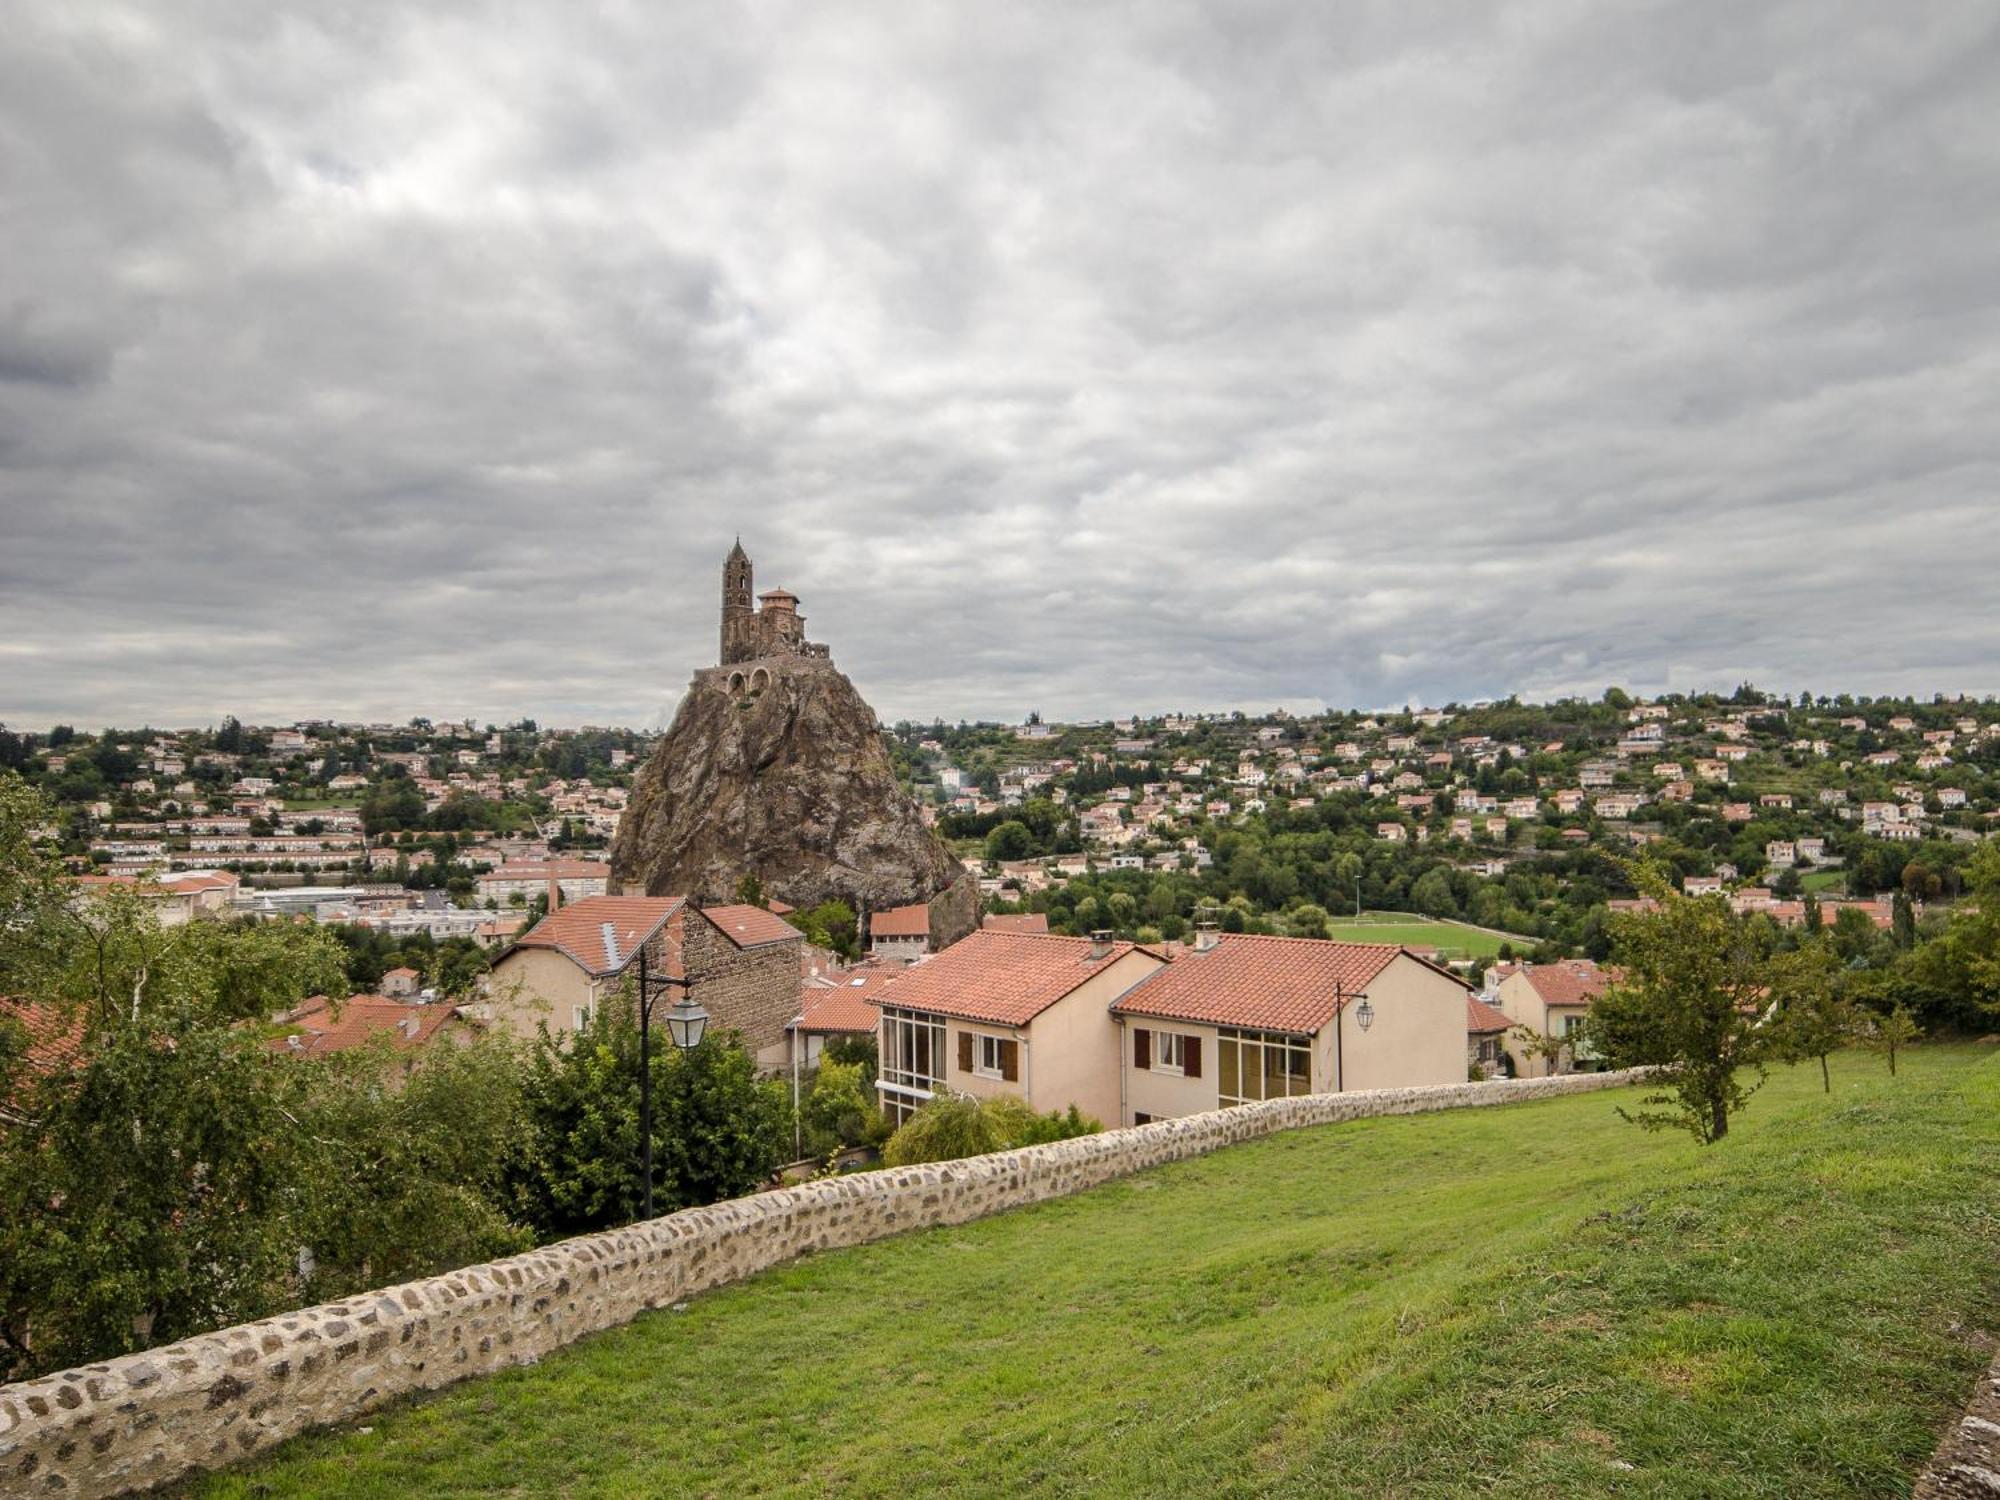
column 376, row 361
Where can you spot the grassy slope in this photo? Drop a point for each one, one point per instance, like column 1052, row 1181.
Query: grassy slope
column 1518, row 1302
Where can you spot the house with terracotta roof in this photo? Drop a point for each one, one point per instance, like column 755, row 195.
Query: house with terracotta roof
column 401, row 983
column 1028, row 921
column 1550, row 1000
column 1237, row 1018
column 1485, row 1036
column 838, row 1003
column 741, row 964
column 321, row 1027
column 1010, row 1013
column 900, row 932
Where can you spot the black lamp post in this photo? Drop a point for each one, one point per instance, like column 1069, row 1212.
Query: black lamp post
column 685, row 1024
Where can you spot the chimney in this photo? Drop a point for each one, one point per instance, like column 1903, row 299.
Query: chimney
column 555, row 892
column 408, row 1025
column 1205, row 935
column 1100, row 944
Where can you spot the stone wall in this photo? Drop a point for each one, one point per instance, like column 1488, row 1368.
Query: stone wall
column 753, row 991
column 146, row 1418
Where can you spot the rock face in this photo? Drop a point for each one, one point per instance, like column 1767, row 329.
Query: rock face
column 776, row 768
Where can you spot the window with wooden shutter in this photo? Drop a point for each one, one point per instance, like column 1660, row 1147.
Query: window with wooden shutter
column 965, row 1052
column 1142, row 1047
column 1191, row 1056
column 1010, row 1061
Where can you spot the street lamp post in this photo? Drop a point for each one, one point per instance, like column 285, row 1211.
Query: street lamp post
column 685, row 1024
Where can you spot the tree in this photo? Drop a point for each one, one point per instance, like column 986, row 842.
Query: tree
column 718, row 1130
column 1892, row 1033
column 1693, row 986
column 1010, row 840
column 838, row 1111
column 1432, row 893
column 750, row 891
column 830, row 925
column 1816, row 1019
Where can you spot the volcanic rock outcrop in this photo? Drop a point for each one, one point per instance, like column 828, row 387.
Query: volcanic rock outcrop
column 775, row 767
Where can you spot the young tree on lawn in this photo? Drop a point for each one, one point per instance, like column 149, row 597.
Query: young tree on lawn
column 1815, row 1017
column 1690, row 1001
column 1892, row 1033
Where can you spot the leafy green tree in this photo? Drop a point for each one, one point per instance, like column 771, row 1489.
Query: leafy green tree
column 1695, row 984
column 1816, row 1018
column 838, row 1110
column 718, row 1130
column 830, row 925
column 1010, row 840
column 750, row 891
column 1432, row 893
column 1890, row 1034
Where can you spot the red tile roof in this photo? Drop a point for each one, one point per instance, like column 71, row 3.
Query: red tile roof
column 53, row 1034
column 901, row 921
column 1271, row 983
column 1032, row 921
column 751, row 926
column 1482, row 1019
column 1007, row 978
column 1570, row 981
column 854, row 1003
column 602, row 934
column 362, row 1018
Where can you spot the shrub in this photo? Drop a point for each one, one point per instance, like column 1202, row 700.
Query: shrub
column 952, row 1126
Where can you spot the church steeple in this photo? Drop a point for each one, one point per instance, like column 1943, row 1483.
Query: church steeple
column 738, row 603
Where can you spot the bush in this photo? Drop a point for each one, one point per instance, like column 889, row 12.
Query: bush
column 952, row 1126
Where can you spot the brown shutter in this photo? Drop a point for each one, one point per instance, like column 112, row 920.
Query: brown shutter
column 1142, row 1047
column 965, row 1052
column 1192, row 1053
column 1010, row 1061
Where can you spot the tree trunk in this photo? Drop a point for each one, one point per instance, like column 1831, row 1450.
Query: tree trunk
column 1892, row 1062
column 1825, row 1079
column 1718, row 1124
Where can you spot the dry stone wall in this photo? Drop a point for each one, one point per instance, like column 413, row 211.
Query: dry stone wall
column 147, row 1418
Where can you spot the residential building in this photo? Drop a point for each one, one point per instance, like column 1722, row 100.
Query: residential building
column 1237, row 1018
column 901, row 933
column 1551, row 1000
column 1010, row 1013
column 578, row 878
column 1486, row 1031
column 741, row 964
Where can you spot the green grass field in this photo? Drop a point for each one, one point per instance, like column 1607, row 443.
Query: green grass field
column 1536, row 1301
column 1825, row 882
column 1451, row 939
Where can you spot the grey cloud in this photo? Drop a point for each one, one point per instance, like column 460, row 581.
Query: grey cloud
column 425, row 360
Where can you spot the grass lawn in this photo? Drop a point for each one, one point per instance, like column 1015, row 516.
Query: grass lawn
column 1825, row 882
column 1535, row 1301
column 1451, row 939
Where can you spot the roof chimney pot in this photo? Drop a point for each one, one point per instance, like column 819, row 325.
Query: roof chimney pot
column 1100, row 943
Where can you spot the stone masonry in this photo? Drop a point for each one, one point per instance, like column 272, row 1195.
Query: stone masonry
column 752, row 991
column 144, row 1419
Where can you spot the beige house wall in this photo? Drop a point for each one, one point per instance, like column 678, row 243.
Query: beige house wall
column 1522, row 1004
column 1164, row 1095
column 530, row 986
column 1416, row 1038
column 1069, row 1053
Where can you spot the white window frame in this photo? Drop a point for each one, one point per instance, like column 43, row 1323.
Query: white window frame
column 579, row 1017
column 1170, row 1053
column 983, row 1047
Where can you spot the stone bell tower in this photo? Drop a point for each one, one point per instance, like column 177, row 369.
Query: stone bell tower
column 738, row 607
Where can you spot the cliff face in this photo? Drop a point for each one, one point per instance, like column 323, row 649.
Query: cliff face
column 789, row 783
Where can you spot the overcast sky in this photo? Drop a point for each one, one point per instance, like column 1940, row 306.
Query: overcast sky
column 373, row 360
